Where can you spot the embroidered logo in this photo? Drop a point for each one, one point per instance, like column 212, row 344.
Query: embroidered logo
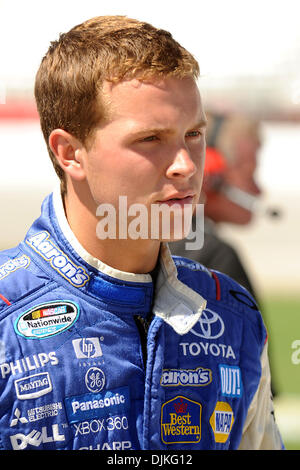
column 97, row 405
column 221, row 421
column 47, row 319
column 13, row 264
column 58, row 260
column 181, row 421
column 231, row 381
column 186, row 377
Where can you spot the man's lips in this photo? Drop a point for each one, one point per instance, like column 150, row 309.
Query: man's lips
column 180, row 199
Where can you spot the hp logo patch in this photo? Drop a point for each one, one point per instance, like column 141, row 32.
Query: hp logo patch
column 94, row 379
column 86, row 348
column 209, row 326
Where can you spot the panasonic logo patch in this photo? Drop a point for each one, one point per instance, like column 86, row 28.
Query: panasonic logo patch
column 97, row 405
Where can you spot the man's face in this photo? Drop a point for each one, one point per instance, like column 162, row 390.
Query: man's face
column 152, row 149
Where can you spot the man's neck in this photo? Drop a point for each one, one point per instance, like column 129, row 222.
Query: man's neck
column 134, row 256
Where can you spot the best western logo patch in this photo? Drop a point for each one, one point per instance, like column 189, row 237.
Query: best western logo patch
column 181, row 421
column 221, row 421
column 59, row 261
column 45, row 320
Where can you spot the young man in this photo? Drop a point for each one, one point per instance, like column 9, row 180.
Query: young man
column 106, row 342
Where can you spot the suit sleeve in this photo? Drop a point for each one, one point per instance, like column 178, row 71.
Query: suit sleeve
column 260, row 430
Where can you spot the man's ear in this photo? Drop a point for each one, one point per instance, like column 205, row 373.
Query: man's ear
column 69, row 153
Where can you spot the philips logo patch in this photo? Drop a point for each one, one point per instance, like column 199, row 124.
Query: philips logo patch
column 97, row 405
column 58, row 260
column 45, row 320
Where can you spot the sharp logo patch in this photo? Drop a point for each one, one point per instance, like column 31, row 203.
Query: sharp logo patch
column 45, row 320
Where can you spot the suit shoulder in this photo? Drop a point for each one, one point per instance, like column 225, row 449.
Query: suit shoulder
column 221, row 292
column 19, row 277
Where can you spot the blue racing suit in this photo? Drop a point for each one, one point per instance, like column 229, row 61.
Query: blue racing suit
column 95, row 358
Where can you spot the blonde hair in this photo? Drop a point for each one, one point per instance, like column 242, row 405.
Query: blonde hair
column 112, row 48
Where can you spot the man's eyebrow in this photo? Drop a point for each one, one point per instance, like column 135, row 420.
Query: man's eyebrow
column 165, row 130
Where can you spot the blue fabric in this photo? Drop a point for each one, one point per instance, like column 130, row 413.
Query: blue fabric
column 75, row 378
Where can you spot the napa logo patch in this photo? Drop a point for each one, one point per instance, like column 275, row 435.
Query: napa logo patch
column 57, row 259
column 48, row 319
column 221, row 421
column 181, row 421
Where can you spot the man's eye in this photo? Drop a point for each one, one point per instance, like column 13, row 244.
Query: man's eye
column 194, row 134
column 150, row 138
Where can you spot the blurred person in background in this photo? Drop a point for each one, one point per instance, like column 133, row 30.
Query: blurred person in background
column 229, row 194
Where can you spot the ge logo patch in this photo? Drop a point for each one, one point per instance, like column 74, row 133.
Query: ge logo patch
column 94, row 379
column 209, row 326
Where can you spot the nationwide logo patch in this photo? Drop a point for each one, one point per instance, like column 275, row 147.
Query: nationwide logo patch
column 181, row 421
column 221, row 421
column 45, row 320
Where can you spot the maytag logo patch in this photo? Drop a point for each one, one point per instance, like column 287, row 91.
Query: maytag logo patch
column 45, row 320
column 34, row 386
column 181, row 421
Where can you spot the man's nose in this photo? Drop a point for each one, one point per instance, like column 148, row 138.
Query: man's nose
column 182, row 165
